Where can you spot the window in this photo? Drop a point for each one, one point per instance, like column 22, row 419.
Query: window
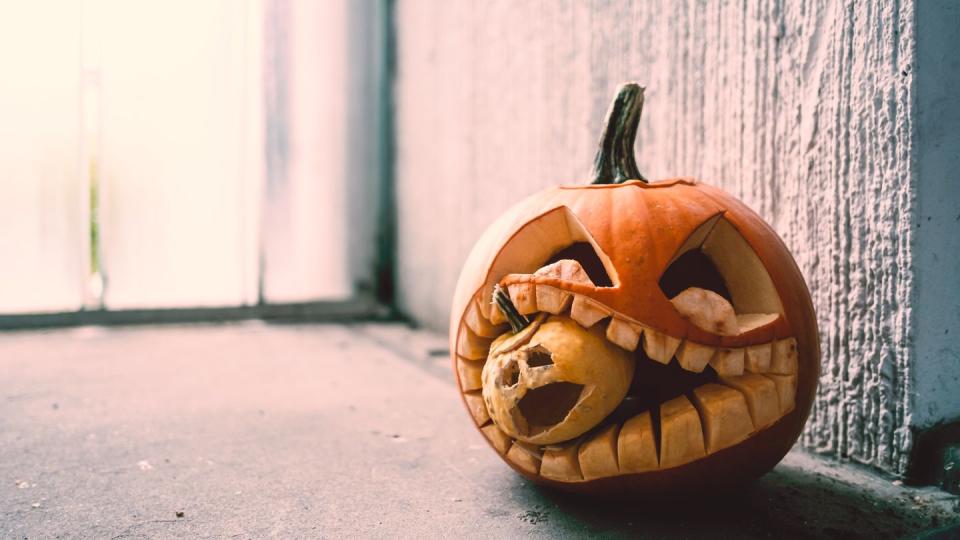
column 182, row 154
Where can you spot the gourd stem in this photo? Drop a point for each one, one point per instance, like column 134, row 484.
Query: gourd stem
column 517, row 321
column 615, row 162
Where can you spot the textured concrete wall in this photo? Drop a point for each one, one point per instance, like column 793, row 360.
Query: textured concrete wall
column 803, row 109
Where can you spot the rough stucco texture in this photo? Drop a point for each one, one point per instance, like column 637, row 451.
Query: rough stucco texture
column 802, row 109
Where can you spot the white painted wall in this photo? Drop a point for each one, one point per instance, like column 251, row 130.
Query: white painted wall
column 174, row 130
column 803, row 109
column 43, row 234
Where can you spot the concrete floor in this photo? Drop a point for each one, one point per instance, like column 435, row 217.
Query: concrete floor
column 251, row 430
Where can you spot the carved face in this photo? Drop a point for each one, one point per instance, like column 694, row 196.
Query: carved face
column 538, row 388
column 673, row 342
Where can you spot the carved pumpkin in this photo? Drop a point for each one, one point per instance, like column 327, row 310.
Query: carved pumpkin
column 649, row 337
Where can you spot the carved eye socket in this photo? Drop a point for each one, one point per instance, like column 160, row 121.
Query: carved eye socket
column 511, row 374
column 539, row 356
column 586, row 255
column 554, row 236
column 717, row 282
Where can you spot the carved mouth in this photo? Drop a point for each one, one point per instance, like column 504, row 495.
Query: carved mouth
column 687, row 400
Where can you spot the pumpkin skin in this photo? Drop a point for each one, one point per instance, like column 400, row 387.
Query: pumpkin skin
column 638, row 229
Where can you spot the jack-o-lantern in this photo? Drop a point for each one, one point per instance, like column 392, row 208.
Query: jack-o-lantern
column 620, row 336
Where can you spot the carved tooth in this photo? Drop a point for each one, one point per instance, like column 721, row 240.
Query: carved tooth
column 470, row 372
column 524, row 297
column 472, row 346
column 658, row 346
column 786, row 390
column 567, row 270
column 561, row 463
column 761, row 395
column 526, row 456
column 587, row 312
column 624, row 334
column 500, row 440
column 694, row 356
column 783, row 360
column 723, row 410
column 552, row 300
column 728, row 362
column 475, row 321
column 757, row 359
column 478, row 409
column 636, row 447
column 681, row 435
column 598, row 456
column 707, row 310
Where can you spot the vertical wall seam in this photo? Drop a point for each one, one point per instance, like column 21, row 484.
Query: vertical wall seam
column 385, row 271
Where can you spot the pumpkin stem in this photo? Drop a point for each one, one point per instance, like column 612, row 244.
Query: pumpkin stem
column 517, row 321
column 615, row 162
